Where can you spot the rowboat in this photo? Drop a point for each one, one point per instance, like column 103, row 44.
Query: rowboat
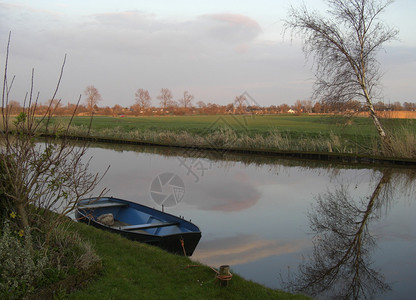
column 140, row 223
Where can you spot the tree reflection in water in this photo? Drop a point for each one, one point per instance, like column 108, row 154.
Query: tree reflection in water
column 340, row 265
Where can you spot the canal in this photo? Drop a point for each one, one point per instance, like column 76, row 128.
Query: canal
column 334, row 230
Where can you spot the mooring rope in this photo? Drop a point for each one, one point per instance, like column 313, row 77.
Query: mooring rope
column 224, row 277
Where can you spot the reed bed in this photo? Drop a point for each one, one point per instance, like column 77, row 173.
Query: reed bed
column 226, row 139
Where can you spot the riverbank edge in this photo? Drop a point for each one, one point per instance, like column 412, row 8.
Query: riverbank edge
column 344, row 158
column 119, row 255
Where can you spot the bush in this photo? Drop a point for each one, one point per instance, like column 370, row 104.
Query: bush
column 36, row 179
column 25, row 266
column 21, row 266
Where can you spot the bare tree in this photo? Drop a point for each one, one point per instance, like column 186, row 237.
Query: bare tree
column 54, row 106
column 409, row 106
column 186, row 101
column 284, row 108
column 143, row 99
column 14, row 107
column 201, row 104
column 307, row 104
column 240, row 103
column 117, row 110
column 344, row 46
column 93, row 97
column 165, row 98
column 298, row 106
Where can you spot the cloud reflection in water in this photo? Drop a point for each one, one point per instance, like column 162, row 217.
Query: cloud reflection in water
column 243, row 249
column 235, row 195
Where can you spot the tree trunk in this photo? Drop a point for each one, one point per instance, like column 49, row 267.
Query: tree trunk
column 377, row 123
column 385, row 139
column 21, row 211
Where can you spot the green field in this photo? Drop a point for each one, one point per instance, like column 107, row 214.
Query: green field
column 311, row 125
column 276, row 132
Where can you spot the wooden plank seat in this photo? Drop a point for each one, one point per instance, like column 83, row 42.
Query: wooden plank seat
column 148, row 225
column 101, row 205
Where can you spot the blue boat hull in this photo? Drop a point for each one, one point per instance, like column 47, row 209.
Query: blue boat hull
column 141, row 223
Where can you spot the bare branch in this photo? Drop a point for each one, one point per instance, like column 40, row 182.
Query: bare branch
column 344, row 49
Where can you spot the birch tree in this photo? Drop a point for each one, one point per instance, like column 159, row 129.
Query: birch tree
column 344, row 46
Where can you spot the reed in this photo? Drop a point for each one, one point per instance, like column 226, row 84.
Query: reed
column 226, row 139
column 403, row 143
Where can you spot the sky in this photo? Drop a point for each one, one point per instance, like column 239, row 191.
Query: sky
column 215, row 50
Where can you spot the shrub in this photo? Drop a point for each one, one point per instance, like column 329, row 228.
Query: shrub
column 21, row 266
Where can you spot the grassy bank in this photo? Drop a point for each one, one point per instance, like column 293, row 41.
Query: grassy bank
column 132, row 270
column 335, row 134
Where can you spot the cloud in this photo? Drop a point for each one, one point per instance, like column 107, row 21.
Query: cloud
column 139, row 33
column 214, row 56
column 127, row 20
column 26, row 8
column 232, row 28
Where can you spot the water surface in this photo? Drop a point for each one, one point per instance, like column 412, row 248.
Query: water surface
column 255, row 214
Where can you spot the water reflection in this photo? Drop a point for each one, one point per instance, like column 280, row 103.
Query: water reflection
column 227, row 193
column 341, row 265
column 252, row 211
column 244, row 249
column 225, row 159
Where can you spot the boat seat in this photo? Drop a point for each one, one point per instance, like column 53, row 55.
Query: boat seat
column 148, row 225
column 101, row 205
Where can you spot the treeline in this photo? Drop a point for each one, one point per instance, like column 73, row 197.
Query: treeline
column 186, row 105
